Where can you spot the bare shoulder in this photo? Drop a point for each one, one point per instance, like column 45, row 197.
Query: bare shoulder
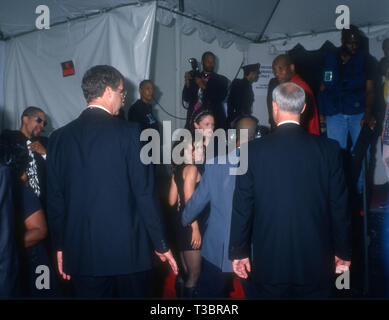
column 190, row 171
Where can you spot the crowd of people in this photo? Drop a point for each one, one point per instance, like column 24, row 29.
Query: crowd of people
column 83, row 205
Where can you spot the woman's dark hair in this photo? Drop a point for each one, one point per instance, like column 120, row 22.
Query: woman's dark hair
column 199, row 115
column 15, row 156
column 176, row 166
column 97, row 78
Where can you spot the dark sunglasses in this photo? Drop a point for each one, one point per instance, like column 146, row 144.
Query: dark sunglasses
column 39, row 120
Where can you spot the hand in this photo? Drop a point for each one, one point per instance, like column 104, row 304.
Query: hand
column 188, row 77
column 196, row 238
column 322, row 118
column 241, row 267
column 341, row 265
column 169, row 257
column 370, row 120
column 37, row 147
column 59, row 261
column 200, row 83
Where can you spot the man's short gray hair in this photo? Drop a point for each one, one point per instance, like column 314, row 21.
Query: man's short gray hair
column 290, row 97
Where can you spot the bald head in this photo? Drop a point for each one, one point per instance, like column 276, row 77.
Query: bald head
column 284, row 59
column 249, row 123
column 283, row 68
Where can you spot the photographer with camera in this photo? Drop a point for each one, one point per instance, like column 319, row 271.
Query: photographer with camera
column 205, row 89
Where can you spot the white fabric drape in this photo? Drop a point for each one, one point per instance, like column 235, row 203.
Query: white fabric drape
column 33, row 74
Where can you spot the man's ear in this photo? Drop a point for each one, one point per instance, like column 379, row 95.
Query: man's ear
column 275, row 110
column 292, row 68
column 108, row 91
column 302, row 111
column 275, row 107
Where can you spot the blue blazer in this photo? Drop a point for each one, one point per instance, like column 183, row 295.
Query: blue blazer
column 217, row 187
column 102, row 210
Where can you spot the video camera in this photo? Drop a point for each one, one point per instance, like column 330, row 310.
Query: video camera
column 195, row 72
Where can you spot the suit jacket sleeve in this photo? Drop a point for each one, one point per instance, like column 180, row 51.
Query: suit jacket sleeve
column 231, row 103
column 197, row 202
column 142, row 184
column 242, row 211
column 246, row 102
column 8, row 254
column 340, row 215
column 216, row 90
column 55, row 197
column 189, row 94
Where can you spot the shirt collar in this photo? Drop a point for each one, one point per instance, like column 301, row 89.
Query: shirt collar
column 288, row 121
column 98, row 106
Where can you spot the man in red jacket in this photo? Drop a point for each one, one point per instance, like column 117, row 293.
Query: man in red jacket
column 284, row 71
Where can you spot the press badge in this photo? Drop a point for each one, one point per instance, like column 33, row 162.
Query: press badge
column 327, row 76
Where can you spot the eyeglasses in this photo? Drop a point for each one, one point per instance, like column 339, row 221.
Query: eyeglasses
column 39, row 120
column 123, row 93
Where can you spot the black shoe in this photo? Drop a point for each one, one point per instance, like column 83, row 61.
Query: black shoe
column 179, row 286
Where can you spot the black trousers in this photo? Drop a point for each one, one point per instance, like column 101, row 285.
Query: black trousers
column 213, row 283
column 134, row 285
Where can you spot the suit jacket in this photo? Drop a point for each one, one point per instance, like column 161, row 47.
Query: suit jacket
column 240, row 100
column 101, row 206
column 9, row 263
column 213, row 97
column 291, row 206
column 216, row 187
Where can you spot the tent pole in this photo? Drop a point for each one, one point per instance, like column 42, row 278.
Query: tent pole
column 267, row 22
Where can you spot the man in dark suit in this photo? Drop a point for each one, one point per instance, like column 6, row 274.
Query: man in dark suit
column 206, row 90
column 9, row 263
column 290, row 222
column 102, row 212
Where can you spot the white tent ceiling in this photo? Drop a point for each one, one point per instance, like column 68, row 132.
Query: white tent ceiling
column 227, row 20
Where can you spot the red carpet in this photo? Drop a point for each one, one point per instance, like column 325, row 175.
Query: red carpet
column 170, row 293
